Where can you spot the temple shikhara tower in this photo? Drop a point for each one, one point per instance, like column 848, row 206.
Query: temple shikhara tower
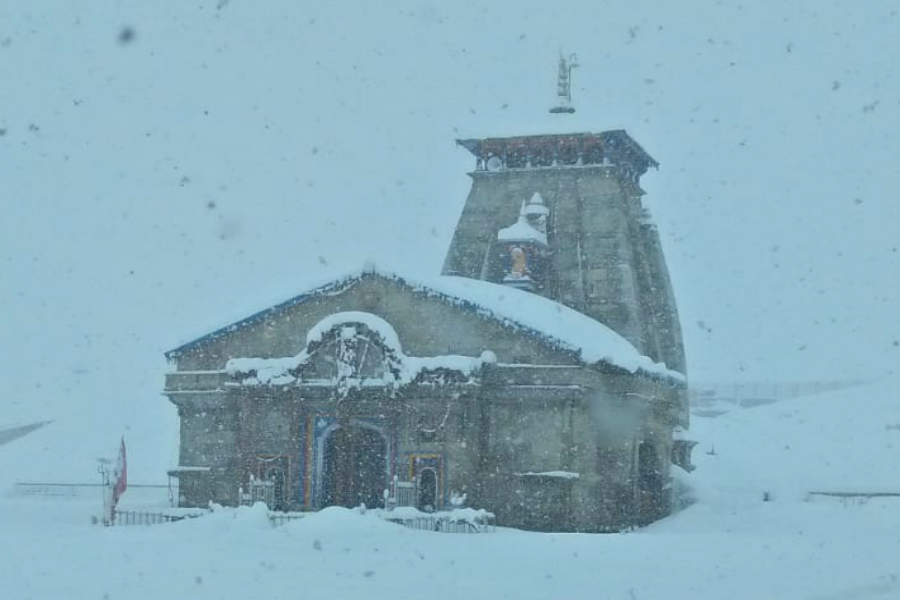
column 567, row 209
column 541, row 376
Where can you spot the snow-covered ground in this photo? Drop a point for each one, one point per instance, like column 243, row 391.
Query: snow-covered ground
column 729, row 544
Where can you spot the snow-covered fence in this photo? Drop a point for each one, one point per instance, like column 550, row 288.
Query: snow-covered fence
column 461, row 520
column 405, row 493
column 400, row 493
column 258, row 491
column 852, row 498
column 138, row 517
column 280, row 518
column 435, row 523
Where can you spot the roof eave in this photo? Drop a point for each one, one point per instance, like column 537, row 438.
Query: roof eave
column 259, row 315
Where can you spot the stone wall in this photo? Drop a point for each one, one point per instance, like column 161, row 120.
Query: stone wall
column 490, row 440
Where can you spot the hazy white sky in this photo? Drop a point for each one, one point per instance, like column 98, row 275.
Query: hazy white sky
column 153, row 188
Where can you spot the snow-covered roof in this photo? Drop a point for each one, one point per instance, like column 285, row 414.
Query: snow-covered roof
column 521, row 231
column 531, row 214
column 551, row 321
column 536, row 206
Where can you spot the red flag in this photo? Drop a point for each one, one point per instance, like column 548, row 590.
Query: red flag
column 120, row 475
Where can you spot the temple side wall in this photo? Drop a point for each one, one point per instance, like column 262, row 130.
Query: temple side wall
column 491, row 441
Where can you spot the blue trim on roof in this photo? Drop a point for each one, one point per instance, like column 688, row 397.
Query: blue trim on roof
column 337, row 285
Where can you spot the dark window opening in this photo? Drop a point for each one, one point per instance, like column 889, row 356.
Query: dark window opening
column 354, row 470
column 427, row 488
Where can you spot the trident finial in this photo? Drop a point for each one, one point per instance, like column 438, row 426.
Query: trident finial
column 564, row 84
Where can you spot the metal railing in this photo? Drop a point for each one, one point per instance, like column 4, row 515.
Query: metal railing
column 851, row 498
column 282, row 518
column 136, row 517
column 258, row 491
column 442, row 523
column 437, row 522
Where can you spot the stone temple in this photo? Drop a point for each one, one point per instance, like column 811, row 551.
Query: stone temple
column 541, row 375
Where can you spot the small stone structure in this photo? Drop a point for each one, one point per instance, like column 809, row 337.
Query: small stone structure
column 542, row 377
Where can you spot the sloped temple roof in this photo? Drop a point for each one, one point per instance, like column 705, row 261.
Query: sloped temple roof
column 531, row 314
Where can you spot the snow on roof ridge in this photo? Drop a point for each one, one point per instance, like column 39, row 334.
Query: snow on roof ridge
column 556, row 323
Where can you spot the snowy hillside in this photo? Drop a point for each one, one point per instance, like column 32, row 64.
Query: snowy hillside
column 840, row 441
column 729, row 543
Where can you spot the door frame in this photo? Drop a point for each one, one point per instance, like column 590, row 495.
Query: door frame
column 320, row 455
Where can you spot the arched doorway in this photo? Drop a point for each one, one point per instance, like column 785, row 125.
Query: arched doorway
column 427, row 489
column 354, row 468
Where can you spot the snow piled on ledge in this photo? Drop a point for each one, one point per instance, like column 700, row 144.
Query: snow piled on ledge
column 279, row 371
column 552, row 474
column 521, row 231
column 474, row 516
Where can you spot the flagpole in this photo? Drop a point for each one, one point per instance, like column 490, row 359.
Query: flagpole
column 105, row 489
